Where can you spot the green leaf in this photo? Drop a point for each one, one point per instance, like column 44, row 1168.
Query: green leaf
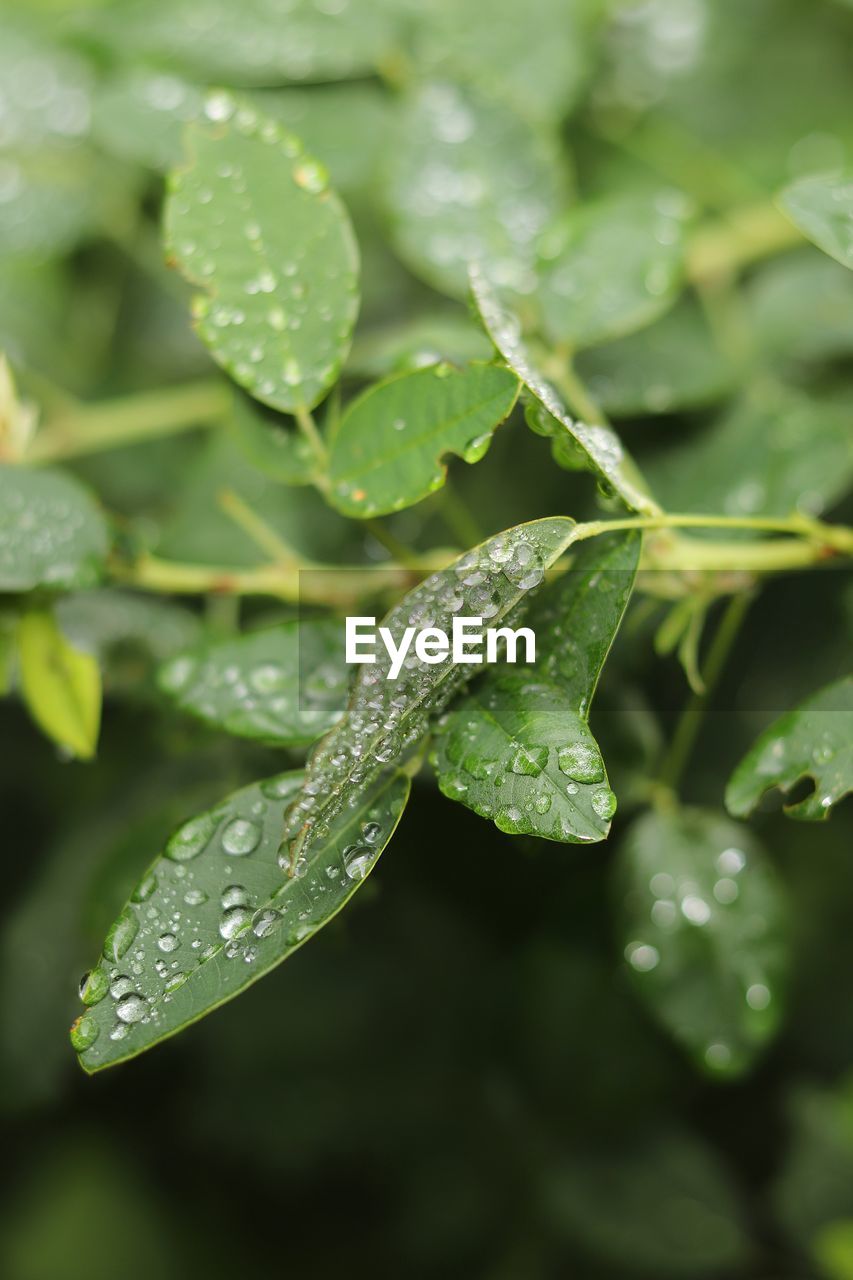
column 801, row 309
column 541, row 63
column 387, row 452
column 766, row 456
column 611, row 267
column 517, row 747
column 215, row 912
column 285, row 685
column 271, row 444
column 140, row 114
column 61, row 685
column 822, row 207
column 814, row 742
column 599, row 446
column 469, row 181
column 51, row 532
column 703, row 930
column 253, row 222
column 259, row 42
column 386, row 718
column 672, row 364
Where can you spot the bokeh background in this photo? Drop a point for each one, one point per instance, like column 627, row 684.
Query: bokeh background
column 458, row 1077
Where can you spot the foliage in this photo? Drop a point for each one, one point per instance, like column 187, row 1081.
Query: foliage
column 312, row 309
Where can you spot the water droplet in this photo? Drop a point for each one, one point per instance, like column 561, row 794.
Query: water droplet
column 695, row 909
column 268, row 677
column 758, row 996
column 131, row 1009
column 195, row 897
column 583, row 763
column 167, row 942
column 193, row 836
column 371, row 832
column 94, row 986
column 358, row 859
column 84, row 1032
column 265, row 921
column 604, row 803
column 642, row 957
column 240, row 837
column 529, row 760
column 234, row 922
column 144, row 889
column 311, row 175
column 234, row 896
column 121, row 935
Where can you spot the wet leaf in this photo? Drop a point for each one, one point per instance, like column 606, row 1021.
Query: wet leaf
column 599, row 447
column 61, row 685
column 387, row 717
column 51, row 532
column 703, row 927
column 767, row 456
column 285, row 685
column 215, row 912
column 468, row 181
column 672, row 364
column 517, row 747
column 610, row 267
column 822, row 207
column 541, row 64
column 388, row 449
column 252, row 221
column 272, row 444
column 263, row 42
column 814, row 742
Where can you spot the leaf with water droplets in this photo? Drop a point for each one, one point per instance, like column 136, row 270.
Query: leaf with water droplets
column 61, row 685
column 285, row 685
column 258, row 42
column 703, row 930
column 672, row 364
column 388, row 449
column 599, row 446
column 610, row 267
column 216, row 911
column 387, row 717
column 253, row 222
column 51, row 532
column 821, row 205
column 765, row 456
column 517, row 747
column 470, row 181
column 814, row 742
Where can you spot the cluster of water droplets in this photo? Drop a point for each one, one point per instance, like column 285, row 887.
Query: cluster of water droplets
column 386, row 718
column 218, row 894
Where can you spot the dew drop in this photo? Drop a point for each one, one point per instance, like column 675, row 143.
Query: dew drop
column 240, row 837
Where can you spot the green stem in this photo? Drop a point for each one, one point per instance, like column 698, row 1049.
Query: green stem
column 562, row 372
column 744, row 235
column 308, row 427
column 684, row 739
column 262, row 534
column 129, row 419
column 458, row 518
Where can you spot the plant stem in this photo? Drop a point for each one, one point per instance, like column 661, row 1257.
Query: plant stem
column 261, row 533
column 308, row 427
column 687, row 729
column 744, row 235
column 129, row 419
column 561, row 370
column 458, row 518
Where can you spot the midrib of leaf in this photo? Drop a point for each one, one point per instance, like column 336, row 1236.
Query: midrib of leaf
column 431, row 434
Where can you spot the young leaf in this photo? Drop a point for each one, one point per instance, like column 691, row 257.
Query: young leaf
column 611, row 267
column 51, row 532
column 815, row 742
column 259, row 42
column 822, row 207
column 598, row 445
column 517, row 747
column 673, row 364
column 469, row 181
column 385, row 717
column 388, row 449
column 770, row 457
column 215, row 912
column 61, row 685
column 703, row 930
column 252, row 221
column 285, row 685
